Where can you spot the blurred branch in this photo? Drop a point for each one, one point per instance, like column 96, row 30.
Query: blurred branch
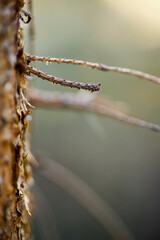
column 44, row 216
column 85, row 196
column 86, row 103
column 62, row 82
column 101, row 67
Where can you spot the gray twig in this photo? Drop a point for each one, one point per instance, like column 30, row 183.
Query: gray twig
column 62, row 82
column 101, row 67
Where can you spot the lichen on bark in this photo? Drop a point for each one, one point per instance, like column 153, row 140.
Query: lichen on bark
column 15, row 172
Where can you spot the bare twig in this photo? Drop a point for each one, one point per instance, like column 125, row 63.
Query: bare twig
column 87, row 103
column 86, row 197
column 62, row 82
column 96, row 66
column 44, row 216
column 27, row 14
column 31, row 29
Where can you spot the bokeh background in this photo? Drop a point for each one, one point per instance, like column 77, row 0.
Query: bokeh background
column 121, row 163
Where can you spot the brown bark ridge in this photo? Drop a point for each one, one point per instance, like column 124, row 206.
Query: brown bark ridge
column 15, row 172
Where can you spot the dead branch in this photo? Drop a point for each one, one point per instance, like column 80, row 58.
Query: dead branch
column 62, row 82
column 101, row 67
column 87, row 103
column 44, row 217
column 85, row 196
column 27, row 14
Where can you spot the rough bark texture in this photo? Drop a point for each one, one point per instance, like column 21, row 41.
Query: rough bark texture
column 15, row 174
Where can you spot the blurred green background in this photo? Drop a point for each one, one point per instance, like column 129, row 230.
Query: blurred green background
column 121, row 163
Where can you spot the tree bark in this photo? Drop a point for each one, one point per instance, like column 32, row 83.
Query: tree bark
column 15, row 172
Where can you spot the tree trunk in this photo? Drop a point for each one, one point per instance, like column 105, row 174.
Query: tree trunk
column 15, row 173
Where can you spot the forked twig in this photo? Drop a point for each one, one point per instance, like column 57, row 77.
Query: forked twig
column 102, row 67
column 27, row 14
column 86, row 197
column 62, row 82
column 86, row 103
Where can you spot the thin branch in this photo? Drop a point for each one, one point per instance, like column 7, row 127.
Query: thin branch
column 101, row 67
column 85, row 103
column 44, row 216
column 31, row 29
column 85, row 196
column 27, row 14
column 62, row 82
